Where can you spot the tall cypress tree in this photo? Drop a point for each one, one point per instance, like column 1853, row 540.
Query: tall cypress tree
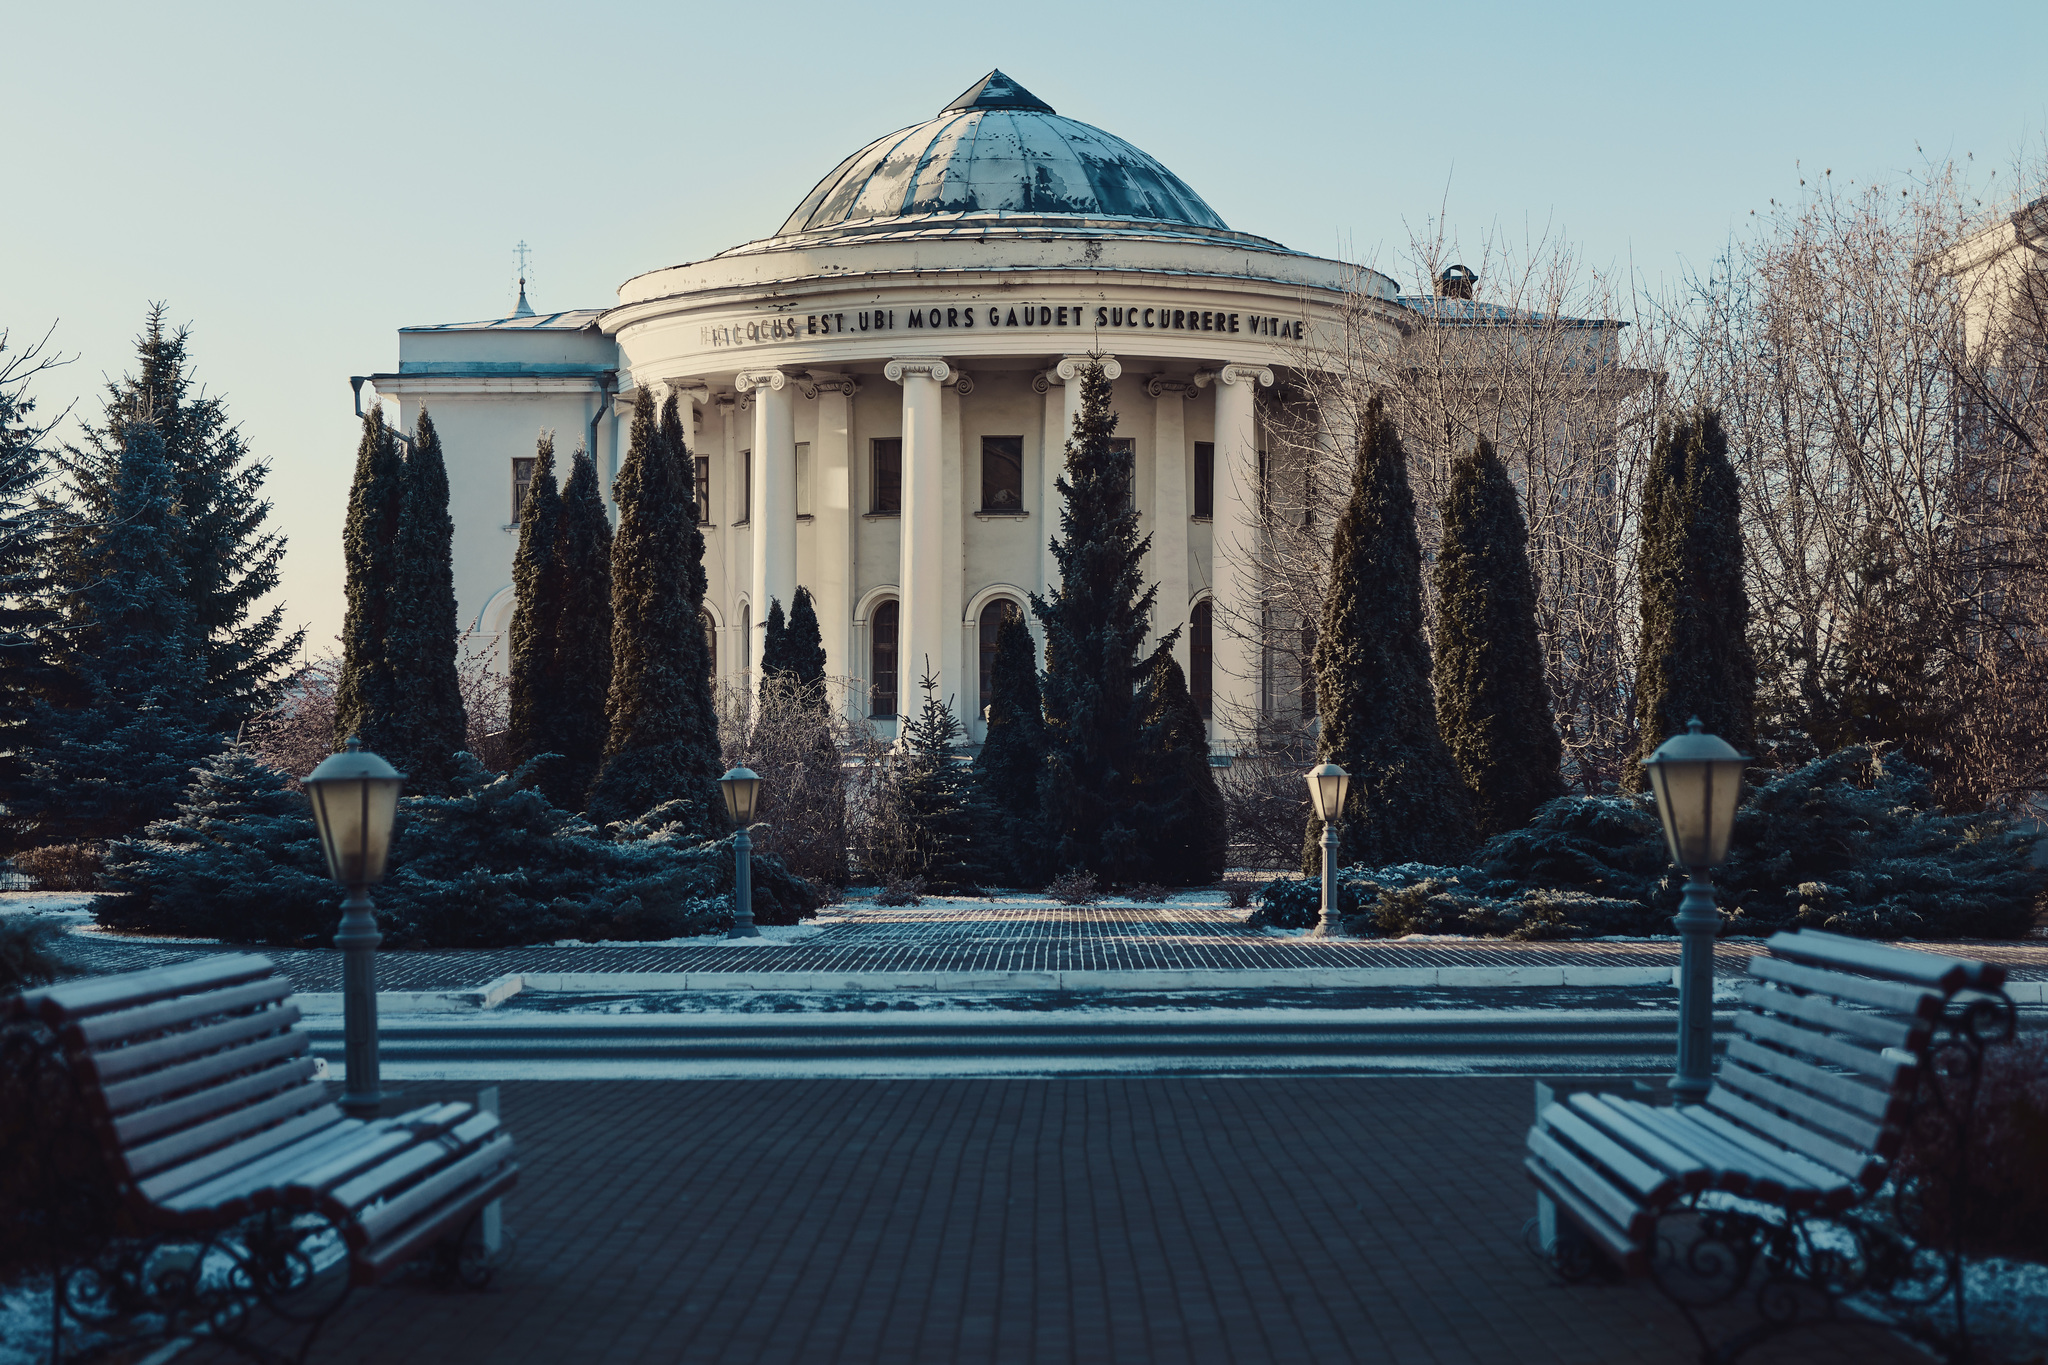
column 1491, row 701
column 123, row 750
column 1406, row 802
column 1187, row 845
column 1095, row 623
column 539, row 582
column 227, row 560
column 1012, row 753
column 663, row 741
column 367, row 696
column 424, row 631
column 805, row 645
column 1696, row 658
column 774, row 642
column 583, row 638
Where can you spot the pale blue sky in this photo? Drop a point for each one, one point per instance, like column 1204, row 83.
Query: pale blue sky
column 299, row 181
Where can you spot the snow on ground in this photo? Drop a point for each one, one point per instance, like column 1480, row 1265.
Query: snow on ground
column 73, row 907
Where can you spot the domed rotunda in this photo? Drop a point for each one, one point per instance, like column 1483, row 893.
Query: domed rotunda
column 878, row 398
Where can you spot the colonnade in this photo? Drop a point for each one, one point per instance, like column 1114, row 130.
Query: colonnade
column 930, row 585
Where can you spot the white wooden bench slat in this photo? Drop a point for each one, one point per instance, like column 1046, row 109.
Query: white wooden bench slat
column 1626, row 1250
column 1945, row 974
column 1883, row 1029
column 1732, row 1169
column 186, row 1174
column 1811, row 1176
column 1880, row 1105
column 131, row 1095
column 1802, row 1140
column 221, row 1103
column 95, row 994
column 1810, row 1111
column 391, row 1135
column 196, row 1141
column 395, row 1213
column 388, row 1176
column 1894, row 996
column 410, row 1243
column 104, row 1030
column 116, row 1063
column 1649, row 1183
column 1893, row 1072
column 1647, row 1144
column 274, row 1168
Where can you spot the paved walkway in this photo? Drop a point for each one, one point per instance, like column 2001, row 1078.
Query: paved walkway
column 1016, row 934
column 1124, row 1221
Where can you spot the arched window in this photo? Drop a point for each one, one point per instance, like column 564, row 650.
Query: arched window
column 710, row 646
column 1201, row 656
column 746, row 659
column 992, row 617
column 882, row 662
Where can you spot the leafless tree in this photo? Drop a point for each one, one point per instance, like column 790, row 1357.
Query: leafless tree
column 794, row 737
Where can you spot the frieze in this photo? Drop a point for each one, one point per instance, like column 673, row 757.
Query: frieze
column 984, row 317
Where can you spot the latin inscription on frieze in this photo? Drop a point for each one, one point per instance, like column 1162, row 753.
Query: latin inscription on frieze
column 1101, row 318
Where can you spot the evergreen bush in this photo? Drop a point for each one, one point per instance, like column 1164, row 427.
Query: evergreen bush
column 424, row 634
column 368, row 697
column 1185, row 834
column 583, row 638
column 534, row 658
column 931, row 828
column 27, row 530
column 1012, row 755
column 31, row 953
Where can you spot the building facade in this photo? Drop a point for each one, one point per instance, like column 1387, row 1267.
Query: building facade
column 878, row 395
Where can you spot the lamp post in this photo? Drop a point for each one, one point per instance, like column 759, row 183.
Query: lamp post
column 1697, row 779
column 1327, row 784
column 742, row 788
column 355, row 799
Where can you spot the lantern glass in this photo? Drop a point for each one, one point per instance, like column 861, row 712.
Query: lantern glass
column 1697, row 780
column 742, row 788
column 355, row 802
column 1327, row 784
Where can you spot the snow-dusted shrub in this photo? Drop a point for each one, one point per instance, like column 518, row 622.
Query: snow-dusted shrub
column 1074, row 887
column 2006, row 1203
column 29, row 953
column 900, row 891
column 62, row 867
column 1297, row 903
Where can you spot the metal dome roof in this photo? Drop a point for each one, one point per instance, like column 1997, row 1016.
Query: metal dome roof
column 998, row 149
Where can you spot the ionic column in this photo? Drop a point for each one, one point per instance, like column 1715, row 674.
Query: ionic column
column 774, row 510
column 1233, row 558
column 1169, row 567
column 832, row 510
column 732, row 649
column 951, row 654
column 1067, row 377
column 922, row 623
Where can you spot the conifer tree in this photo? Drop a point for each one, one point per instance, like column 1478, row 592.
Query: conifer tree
column 424, row 634
column 1406, row 802
column 1187, row 841
column 804, row 646
column 123, row 749
column 934, row 796
column 539, row 575
column 774, row 642
column 1012, row 753
column 227, row 559
column 1095, row 623
column 1696, row 658
column 367, row 696
column 1491, row 701
column 663, row 732
column 583, row 639
column 27, row 672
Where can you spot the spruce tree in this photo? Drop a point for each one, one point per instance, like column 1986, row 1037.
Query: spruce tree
column 424, row 632
column 367, row 697
column 27, row 672
column 1696, row 658
column 1491, row 701
column 1095, row 623
column 583, row 638
column 804, row 646
column 539, row 581
column 1406, row 802
column 934, row 796
column 1012, row 754
column 663, row 731
column 1188, row 843
column 227, row 560
column 123, row 749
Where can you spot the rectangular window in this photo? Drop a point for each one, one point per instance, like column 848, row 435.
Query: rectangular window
column 1002, row 473
column 522, row 479
column 746, row 488
column 886, row 487
column 803, row 478
column 1128, row 445
column 1205, row 478
column 704, row 517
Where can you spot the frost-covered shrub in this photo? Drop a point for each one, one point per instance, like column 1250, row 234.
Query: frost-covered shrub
column 1297, row 903
column 62, row 867
column 1146, row 892
column 29, row 953
column 1074, row 887
column 900, row 891
column 493, row 866
column 2006, row 1203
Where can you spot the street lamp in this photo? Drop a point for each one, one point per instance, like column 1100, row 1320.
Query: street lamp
column 742, row 788
column 355, row 799
column 1327, row 784
column 1697, row 779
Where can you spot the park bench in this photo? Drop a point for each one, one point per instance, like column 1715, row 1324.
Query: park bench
column 237, row 1179
column 1841, row 1046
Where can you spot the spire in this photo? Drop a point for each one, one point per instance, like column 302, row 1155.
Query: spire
column 996, row 91
column 525, row 309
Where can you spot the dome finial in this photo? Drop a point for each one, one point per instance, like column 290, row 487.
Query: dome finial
column 997, row 91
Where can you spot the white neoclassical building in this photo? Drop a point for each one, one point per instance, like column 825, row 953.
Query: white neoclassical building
column 878, row 397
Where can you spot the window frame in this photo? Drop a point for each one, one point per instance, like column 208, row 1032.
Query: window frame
column 1013, row 456
column 890, row 611
column 985, row 645
column 876, row 445
column 1202, row 657
column 701, row 485
column 1205, row 480
column 746, row 462
column 522, row 480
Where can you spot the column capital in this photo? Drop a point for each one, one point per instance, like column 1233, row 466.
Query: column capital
column 1257, row 376
column 1159, row 385
column 746, row 381
column 726, row 400
column 819, row 381
column 689, row 390
column 916, row 367
column 962, row 381
column 1070, row 366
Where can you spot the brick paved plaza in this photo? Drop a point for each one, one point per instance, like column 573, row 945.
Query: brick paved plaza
column 963, row 1221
